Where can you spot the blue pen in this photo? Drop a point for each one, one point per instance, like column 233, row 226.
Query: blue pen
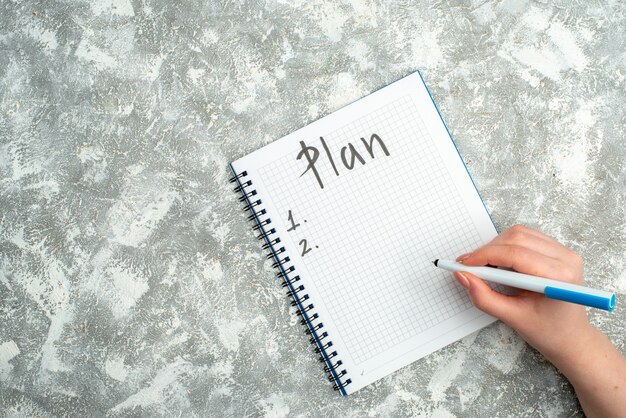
column 553, row 289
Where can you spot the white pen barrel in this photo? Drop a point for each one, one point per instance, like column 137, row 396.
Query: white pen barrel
column 552, row 288
column 513, row 279
column 505, row 277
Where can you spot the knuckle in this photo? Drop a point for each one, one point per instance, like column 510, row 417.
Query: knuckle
column 517, row 237
column 578, row 259
column 517, row 228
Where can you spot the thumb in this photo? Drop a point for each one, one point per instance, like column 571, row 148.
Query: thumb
column 503, row 307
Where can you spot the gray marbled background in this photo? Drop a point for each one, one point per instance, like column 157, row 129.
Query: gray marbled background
column 130, row 283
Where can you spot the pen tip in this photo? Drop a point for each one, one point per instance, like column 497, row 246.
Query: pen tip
column 435, row 262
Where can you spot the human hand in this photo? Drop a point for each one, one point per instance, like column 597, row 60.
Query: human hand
column 557, row 329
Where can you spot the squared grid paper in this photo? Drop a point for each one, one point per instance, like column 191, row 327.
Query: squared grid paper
column 374, row 230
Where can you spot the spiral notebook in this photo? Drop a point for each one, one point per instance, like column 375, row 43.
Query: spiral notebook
column 353, row 208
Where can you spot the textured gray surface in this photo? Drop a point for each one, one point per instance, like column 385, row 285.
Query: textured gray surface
column 130, row 283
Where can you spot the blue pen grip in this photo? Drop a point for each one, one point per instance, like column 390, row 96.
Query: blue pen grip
column 581, row 298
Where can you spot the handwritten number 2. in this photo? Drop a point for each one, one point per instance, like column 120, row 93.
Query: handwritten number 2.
column 305, row 249
column 294, row 225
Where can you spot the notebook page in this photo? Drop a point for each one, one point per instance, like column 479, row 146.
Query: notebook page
column 362, row 238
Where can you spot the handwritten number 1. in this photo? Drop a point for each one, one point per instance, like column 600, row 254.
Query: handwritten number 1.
column 305, row 249
column 294, row 225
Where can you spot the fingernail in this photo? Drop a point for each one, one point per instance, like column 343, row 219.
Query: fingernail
column 462, row 279
column 463, row 257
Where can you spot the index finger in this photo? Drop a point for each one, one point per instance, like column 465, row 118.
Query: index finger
column 521, row 259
